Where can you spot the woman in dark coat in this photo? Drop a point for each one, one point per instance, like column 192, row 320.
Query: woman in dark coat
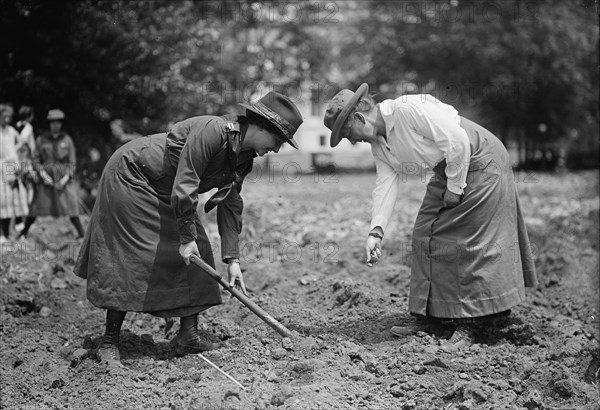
column 471, row 253
column 144, row 226
column 55, row 164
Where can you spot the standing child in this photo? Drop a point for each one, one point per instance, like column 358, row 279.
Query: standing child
column 56, row 193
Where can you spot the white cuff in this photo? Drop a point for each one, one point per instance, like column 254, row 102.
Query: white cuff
column 457, row 189
column 378, row 220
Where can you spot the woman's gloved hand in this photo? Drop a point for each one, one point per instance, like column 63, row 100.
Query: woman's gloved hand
column 188, row 249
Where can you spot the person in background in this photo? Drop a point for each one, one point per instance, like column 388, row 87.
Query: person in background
column 25, row 128
column 90, row 169
column 55, row 163
column 471, row 255
column 25, row 151
column 13, row 201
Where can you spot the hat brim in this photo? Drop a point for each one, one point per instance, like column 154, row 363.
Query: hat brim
column 343, row 115
column 270, row 115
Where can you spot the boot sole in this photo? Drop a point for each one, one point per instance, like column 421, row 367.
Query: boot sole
column 183, row 349
column 410, row 330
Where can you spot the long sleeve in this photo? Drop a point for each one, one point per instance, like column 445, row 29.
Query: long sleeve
column 9, row 162
column 229, row 221
column 203, row 144
column 26, row 137
column 229, row 212
column 384, row 194
column 450, row 138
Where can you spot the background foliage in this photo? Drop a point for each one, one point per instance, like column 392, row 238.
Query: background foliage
column 527, row 70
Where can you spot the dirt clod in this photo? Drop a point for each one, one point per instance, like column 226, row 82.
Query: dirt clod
column 58, row 283
column 78, row 356
column 409, row 405
column 278, row 353
column 308, row 366
column 563, row 387
column 436, row 362
column 533, row 400
column 45, row 311
column 287, row 343
column 280, row 397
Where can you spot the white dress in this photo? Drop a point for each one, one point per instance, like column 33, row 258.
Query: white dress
column 13, row 196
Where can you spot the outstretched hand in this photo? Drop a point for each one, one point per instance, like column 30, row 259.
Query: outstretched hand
column 373, row 250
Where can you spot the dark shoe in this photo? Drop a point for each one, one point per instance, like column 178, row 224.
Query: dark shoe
column 193, row 342
column 410, row 326
column 108, row 353
column 462, row 336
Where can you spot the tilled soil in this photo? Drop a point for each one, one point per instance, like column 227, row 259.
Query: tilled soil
column 302, row 248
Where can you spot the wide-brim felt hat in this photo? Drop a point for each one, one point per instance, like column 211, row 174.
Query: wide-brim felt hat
column 280, row 111
column 55, row 115
column 338, row 109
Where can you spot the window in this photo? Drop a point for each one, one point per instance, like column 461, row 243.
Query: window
column 322, row 140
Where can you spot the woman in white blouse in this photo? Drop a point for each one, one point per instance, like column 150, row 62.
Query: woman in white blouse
column 471, row 257
column 13, row 201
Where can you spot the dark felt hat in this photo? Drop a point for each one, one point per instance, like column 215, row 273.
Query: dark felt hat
column 339, row 108
column 280, row 111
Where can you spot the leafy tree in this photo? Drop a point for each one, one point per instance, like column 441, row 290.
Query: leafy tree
column 149, row 62
column 528, row 70
column 96, row 60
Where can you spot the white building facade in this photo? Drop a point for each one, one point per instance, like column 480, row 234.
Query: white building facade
column 313, row 142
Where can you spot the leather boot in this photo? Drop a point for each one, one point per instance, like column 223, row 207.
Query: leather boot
column 190, row 340
column 108, row 351
column 412, row 325
column 462, row 336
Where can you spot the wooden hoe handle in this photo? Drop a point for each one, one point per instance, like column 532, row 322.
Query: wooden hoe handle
column 257, row 310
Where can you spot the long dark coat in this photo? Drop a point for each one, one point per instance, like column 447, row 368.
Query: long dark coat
column 475, row 259
column 57, row 157
column 146, row 207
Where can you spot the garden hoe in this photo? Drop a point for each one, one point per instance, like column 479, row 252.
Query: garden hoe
column 268, row 319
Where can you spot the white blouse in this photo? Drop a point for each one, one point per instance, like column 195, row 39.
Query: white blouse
column 26, row 137
column 421, row 132
column 9, row 162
